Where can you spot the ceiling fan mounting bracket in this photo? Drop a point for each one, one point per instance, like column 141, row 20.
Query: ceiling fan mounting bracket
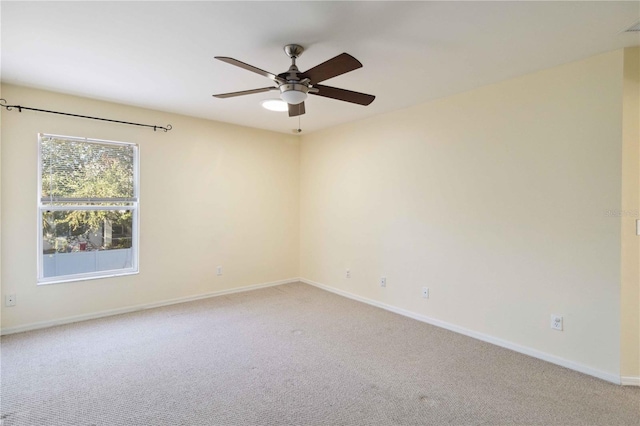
column 293, row 50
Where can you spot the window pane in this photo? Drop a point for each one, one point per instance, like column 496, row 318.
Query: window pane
column 87, row 208
column 77, row 169
column 85, row 241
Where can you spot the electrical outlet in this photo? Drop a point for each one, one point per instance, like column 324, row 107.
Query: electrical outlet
column 383, row 281
column 347, row 274
column 10, row 300
column 556, row 322
column 425, row 292
column 219, row 270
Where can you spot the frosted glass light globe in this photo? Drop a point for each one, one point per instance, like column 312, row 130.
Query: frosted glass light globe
column 293, row 97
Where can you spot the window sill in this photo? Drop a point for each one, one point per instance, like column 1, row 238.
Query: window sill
column 72, row 278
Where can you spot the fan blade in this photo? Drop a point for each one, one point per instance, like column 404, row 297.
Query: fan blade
column 244, row 92
column 333, row 67
column 343, row 95
column 295, row 110
column 251, row 68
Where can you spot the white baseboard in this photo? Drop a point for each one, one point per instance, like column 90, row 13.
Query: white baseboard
column 630, row 381
column 613, row 378
column 110, row 312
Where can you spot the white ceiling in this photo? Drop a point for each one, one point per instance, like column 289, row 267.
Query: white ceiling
column 159, row 55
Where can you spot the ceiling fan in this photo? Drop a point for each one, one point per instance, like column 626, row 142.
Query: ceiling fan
column 295, row 85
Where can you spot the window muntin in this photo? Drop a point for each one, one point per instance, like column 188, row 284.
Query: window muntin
column 87, row 208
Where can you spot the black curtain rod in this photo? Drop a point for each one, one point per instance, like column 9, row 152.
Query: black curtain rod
column 3, row 103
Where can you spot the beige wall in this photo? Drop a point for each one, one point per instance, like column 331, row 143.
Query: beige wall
column 211, row 194
column 495, row 199
column 630, row 294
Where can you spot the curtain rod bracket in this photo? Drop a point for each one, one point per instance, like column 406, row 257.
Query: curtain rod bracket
column 3, row 103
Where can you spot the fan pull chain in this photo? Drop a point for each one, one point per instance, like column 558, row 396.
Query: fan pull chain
column 298, row 130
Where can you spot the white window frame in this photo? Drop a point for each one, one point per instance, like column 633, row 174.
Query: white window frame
column 134, row 208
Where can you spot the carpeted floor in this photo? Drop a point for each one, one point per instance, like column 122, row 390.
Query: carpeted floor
column 288, row 355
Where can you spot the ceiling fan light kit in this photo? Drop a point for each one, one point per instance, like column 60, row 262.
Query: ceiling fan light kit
column 294, row 86
column 293, row 93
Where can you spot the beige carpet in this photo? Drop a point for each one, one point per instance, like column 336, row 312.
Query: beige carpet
column 288, row 355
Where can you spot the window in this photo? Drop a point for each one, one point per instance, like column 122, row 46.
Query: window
column 87, row 208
